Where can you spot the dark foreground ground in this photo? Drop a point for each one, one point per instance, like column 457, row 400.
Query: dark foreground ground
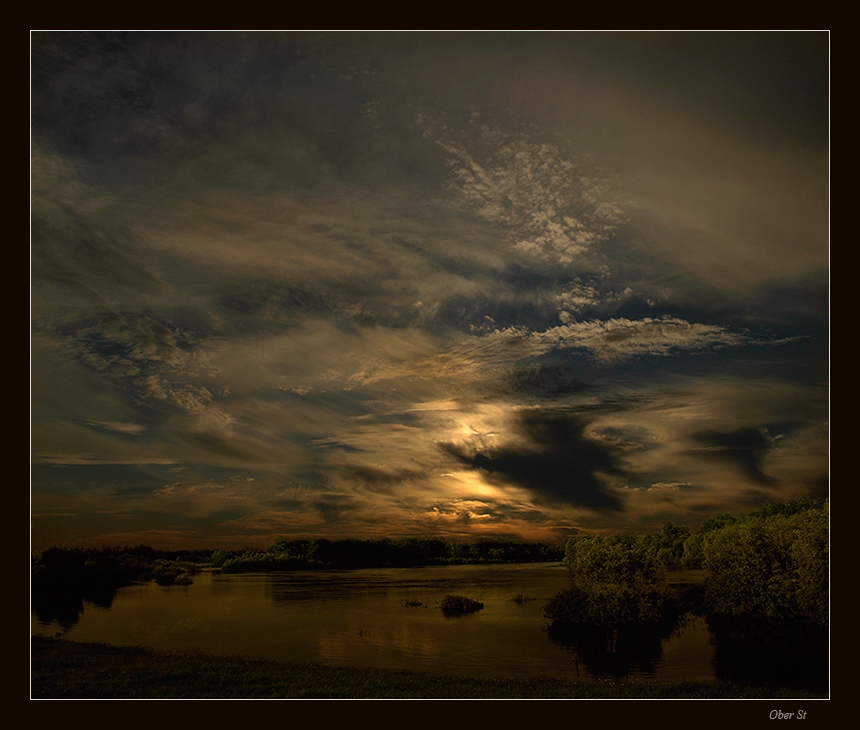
column 63, row 669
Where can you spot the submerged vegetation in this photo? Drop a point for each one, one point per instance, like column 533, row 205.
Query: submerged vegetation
column 174, row 572
column 613, row 580
column 452, row 605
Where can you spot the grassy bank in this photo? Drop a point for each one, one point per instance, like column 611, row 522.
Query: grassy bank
column 63, row 670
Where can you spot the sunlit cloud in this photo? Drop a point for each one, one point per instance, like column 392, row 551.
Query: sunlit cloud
column 118, row 426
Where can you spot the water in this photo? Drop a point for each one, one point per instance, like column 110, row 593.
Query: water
column 385, row 618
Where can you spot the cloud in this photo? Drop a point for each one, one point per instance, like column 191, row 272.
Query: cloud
column 379, row 479
column 203, row 499
column 155, row 360
column 436, row 405
column 745, row 447
column 605, row 341
column 552, row 206
column 554, row 459
column 118, row 427
column 415, row 281
column 336, row 508
column 672, row 486
column 91, row 459
column 619, row 339
column 543, row 380
column 81, row 246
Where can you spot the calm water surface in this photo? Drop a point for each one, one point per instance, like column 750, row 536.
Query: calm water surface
column 361, row 617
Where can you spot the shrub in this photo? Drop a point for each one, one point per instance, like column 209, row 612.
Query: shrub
column 693, row 557
column 219, row 557
column 771, row 565
column 173, row 573
column 668, row 544
column 614, row 580
column 456, row 605
column 173, row 578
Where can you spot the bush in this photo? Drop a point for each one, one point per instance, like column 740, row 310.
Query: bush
column 614, row 580
column 668, row 544
column 772, row 564
column 174, row 573
column 693, row 556
column 456, row 605
column 219, row 557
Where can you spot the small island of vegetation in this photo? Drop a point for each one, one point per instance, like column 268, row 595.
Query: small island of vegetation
column 452, row 605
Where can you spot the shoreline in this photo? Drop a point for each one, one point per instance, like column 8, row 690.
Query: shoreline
column 63, row 669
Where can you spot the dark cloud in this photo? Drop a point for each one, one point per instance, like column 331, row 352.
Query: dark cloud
column 555, row 460
column 87, row 258
column 747, row 448
column 333, row 507
column 510, row 512
column 545, row 380
column 216, row 444
column 378, row 479
column 79, row 248
column 819, row 488
column 249, row 305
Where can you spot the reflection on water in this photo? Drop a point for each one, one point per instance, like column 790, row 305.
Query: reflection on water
column 390, row 618
column 616, row 651
column 785, row 653
column 64, row 608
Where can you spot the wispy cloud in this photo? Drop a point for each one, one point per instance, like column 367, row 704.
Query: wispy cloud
column 605, row 341
column 551, row 206
column 118, row 426
column 93, row 460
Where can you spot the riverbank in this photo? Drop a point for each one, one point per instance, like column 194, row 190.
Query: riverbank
column 62, row 669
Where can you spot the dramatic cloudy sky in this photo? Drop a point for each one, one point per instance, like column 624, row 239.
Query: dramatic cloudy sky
column 465, row 284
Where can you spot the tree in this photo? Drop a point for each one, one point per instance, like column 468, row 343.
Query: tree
column 771, row 564
column 614, row 580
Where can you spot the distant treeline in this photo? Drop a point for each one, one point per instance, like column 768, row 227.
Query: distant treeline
column 384, row 553
column 92, row 569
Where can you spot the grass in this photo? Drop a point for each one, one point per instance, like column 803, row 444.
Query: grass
column 62, row 669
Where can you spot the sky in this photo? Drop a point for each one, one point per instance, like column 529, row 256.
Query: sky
column 517, row 285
